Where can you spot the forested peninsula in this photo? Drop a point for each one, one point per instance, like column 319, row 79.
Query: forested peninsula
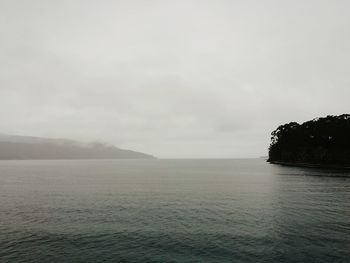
column 321, row 142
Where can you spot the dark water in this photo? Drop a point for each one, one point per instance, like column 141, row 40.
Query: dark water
column 172, row 211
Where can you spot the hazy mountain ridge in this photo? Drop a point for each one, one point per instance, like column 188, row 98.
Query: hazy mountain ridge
column 13, row 147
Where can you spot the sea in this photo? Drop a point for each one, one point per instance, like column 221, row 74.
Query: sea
column 154, row 210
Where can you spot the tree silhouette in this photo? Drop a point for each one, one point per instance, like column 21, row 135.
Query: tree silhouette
column 324, row 141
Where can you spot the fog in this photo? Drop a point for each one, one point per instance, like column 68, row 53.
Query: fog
column 176, row 79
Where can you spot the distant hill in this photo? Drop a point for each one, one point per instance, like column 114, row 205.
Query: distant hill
column 319, row 142
column 24, row 147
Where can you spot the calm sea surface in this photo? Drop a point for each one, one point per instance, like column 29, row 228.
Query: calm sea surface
column 172, row 211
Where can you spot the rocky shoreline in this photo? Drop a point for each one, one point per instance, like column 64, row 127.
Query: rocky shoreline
column 311, row 165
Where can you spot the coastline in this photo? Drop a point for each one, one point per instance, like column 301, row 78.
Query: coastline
column 310, row 165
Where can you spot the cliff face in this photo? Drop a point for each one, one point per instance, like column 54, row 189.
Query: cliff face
column 22, row 147
column 322, row 141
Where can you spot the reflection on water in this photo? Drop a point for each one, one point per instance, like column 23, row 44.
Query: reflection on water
column 172, row 211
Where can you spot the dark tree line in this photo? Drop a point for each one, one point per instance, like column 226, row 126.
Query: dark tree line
column 324, row 141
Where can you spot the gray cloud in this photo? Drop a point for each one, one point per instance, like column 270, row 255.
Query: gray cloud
column 171, row 78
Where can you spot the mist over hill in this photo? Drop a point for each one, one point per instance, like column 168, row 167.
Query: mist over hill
column 13, row 147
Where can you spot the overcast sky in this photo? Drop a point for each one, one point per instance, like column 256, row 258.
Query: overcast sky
column 172, row 78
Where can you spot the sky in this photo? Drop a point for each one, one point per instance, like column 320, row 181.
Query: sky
column 176, row 79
